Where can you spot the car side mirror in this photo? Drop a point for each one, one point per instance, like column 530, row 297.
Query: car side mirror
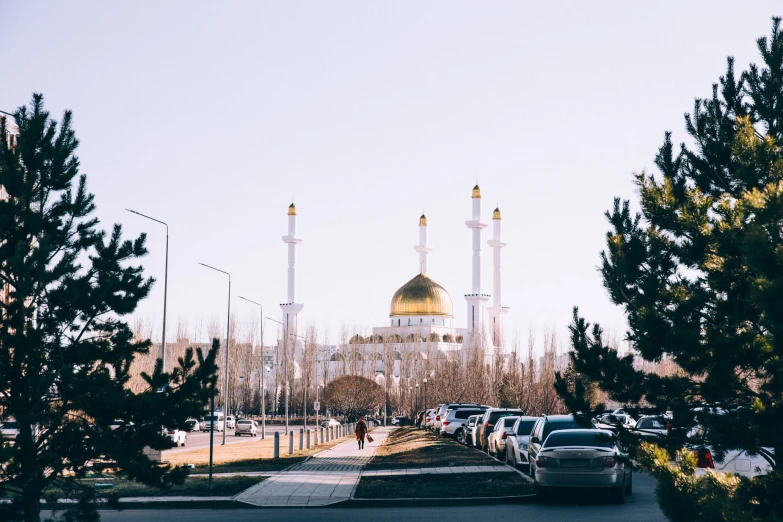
column 534, row 440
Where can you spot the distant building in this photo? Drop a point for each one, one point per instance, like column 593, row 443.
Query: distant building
column 13, row 132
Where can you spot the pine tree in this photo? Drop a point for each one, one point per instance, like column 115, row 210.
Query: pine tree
column 699, row 272
column 65, row 348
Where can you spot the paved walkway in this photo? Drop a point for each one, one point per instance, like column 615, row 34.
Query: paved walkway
column 327, row 478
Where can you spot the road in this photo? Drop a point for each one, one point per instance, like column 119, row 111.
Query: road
column 641, row 507
column 200, row 439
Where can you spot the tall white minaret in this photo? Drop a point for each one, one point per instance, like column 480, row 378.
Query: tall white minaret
column 422, row 248
column 291, row 308
column 496, row 311
column 476, row 300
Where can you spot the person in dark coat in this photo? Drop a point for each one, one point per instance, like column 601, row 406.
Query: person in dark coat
column 361, row 432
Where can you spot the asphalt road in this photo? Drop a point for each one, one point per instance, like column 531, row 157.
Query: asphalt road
column 585, row 507
column 200, row 439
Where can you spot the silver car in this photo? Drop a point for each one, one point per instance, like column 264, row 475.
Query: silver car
column 583, row 459
column 246, row 427
column 501, row 432
column 453, row 424
column 470, row 431
column 518, row 443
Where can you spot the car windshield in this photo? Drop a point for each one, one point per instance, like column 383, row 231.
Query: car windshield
column 495, row 415
column 580, row 439
column 652, row 423
column 244, row 422
column 525, row 427
column 212, row 417
column 549, row 427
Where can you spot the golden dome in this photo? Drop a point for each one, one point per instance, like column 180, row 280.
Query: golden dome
column 291, row 209
column 421, row 296
column 496, row 214
column 423, row 221
column 476, row 192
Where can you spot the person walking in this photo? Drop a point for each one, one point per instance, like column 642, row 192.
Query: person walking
column 361, row 432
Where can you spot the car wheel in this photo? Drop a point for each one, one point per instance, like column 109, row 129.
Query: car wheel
column 460, row 436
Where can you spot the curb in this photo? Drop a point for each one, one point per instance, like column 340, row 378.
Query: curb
column 228, row 503
column 433, row 502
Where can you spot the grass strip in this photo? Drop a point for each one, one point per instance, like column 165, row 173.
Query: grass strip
column 409, row 447
column 454, row 485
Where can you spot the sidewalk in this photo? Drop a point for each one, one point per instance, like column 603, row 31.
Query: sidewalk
column 327, row 478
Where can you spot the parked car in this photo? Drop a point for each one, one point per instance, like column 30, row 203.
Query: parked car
column 440, row 411
column 395, row 421
column 491, row 416
column 9, row 430
column 545, row 425
column 453, row 424
column 192, row 425
column 246, row 427
column 471, row 429
column 231, row 422
column 178, row 436
column 583, row 458
column 652, row 426
column 430, row 419
column 736, row 461
column 329, row 422
column 609, row 421
column 517, row 444
column 500, row 433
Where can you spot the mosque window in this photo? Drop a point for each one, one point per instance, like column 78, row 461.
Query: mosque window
column 398, row 322
column 421, row 320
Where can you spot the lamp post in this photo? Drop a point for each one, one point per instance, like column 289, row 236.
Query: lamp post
column 417, row 399
column 410, row 392
column 425, row 394
column 165, row 283
column 228, row 330
column 263, row 370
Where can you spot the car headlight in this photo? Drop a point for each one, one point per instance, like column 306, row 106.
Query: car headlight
column 523, row 445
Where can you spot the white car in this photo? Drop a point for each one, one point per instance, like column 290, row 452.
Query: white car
column 213, row 422
column 453, row 424
column 178, row 436
column 246, row 427
column 501, row 431
column 608, row 421
column 231, row 422
column 9, row 430
column 471, row 430
column 518, row 443
column 651, row 426
column 327, row 423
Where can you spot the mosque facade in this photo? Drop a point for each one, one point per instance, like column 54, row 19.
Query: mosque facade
column 421, row 313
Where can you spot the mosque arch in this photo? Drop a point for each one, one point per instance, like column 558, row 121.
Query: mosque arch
column 433, row 338
column 448, row 338
column 394, row 338
column 356, row 339
column 337, row 356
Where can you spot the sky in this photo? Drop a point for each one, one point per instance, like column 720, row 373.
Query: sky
column 213, row 116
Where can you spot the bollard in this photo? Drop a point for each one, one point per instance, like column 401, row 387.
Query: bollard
column 301, row 439
column 277, row 444
column 291, row 442
column 308, row 438
column 320, row 435
column 331, row 432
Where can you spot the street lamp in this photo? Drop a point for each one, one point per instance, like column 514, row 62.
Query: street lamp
column 417, row 398
column 165, row 283
column 263, row 369
column 425, row 393
column 228, row 326
column 410, row 392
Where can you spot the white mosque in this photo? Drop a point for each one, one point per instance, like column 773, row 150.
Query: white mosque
column 421, row 315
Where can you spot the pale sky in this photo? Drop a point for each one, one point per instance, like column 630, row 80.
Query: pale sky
column 213, row 115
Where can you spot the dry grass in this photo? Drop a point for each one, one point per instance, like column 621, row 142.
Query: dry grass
column 413, row 448
column 251, row 450
column 444, row 486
